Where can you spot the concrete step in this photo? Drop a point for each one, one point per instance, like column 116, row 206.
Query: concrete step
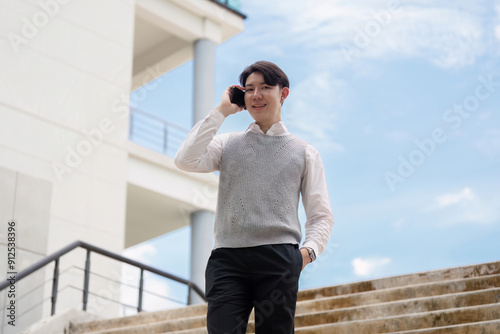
column 158, row 324
column 399, row 293
column 306, row 306
column 408, row 322
column 140, row 318
column 484, row 269
column 171, row 326
column 409, row 306
column 191, row 331
column 403, row 307
column 447, row 297
column 483, row 327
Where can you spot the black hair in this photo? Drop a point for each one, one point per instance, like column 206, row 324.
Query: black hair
column 273, row 75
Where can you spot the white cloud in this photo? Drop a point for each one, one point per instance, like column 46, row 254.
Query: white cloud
column 153, row 284
column 367, row 130
column 314, row 107
column 483, row 117
column 366, row 267
column 497, row 26
column 464, row 207
column 155, row 293
column 160, row 287
column 465, row 195
column 397, row 136
column 141, row 252
column 399, row 223
column 448, row 34
column 447, row 37
column 489, row 144
column 130, row 278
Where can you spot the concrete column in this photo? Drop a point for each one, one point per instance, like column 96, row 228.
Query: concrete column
column 204, row 78
column 202, row 221
column 201, row 246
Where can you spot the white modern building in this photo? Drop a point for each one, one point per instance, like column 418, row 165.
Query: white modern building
column 68, row 170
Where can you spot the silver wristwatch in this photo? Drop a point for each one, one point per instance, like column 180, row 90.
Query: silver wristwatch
column 312, row 254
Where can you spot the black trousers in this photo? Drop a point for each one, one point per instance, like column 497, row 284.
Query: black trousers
column 264, row 277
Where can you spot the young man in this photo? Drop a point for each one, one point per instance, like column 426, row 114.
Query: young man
column 256, row 261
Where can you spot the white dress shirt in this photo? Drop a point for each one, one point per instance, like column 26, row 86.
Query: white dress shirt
column 201, row 152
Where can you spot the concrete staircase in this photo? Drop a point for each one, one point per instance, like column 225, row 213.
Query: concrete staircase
column 462, row 300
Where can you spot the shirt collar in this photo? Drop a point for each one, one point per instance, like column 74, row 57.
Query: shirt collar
column 277, row 129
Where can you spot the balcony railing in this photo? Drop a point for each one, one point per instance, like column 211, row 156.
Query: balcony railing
column 233, row 5
column 155, row 133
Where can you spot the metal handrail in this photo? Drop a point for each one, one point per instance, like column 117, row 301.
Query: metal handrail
column 159, row 119
column 155, row 130
column 91, row 248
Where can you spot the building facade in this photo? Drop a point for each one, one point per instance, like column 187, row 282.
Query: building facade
column 67, row 168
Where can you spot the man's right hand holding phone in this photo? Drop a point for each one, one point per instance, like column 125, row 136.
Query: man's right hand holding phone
column 226, row 107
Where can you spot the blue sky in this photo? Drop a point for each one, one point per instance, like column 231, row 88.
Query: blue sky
column 401, row 98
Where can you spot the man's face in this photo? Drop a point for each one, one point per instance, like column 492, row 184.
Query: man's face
column 263, row 101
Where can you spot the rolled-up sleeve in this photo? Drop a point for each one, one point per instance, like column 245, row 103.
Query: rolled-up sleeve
column 316, row 203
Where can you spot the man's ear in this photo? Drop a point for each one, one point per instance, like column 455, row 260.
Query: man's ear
column 284, row 93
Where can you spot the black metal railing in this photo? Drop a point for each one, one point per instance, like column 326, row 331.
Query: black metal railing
column 55, row 257
column 155, row 133
column 232, row 5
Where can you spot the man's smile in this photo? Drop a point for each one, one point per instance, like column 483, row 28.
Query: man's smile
column 258, row 106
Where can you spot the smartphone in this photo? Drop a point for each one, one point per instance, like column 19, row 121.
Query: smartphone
column 238, row 97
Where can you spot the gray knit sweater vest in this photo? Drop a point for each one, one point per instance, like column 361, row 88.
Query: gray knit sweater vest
column 259, row 188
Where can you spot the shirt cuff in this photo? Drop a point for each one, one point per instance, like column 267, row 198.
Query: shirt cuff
column 313, row 246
